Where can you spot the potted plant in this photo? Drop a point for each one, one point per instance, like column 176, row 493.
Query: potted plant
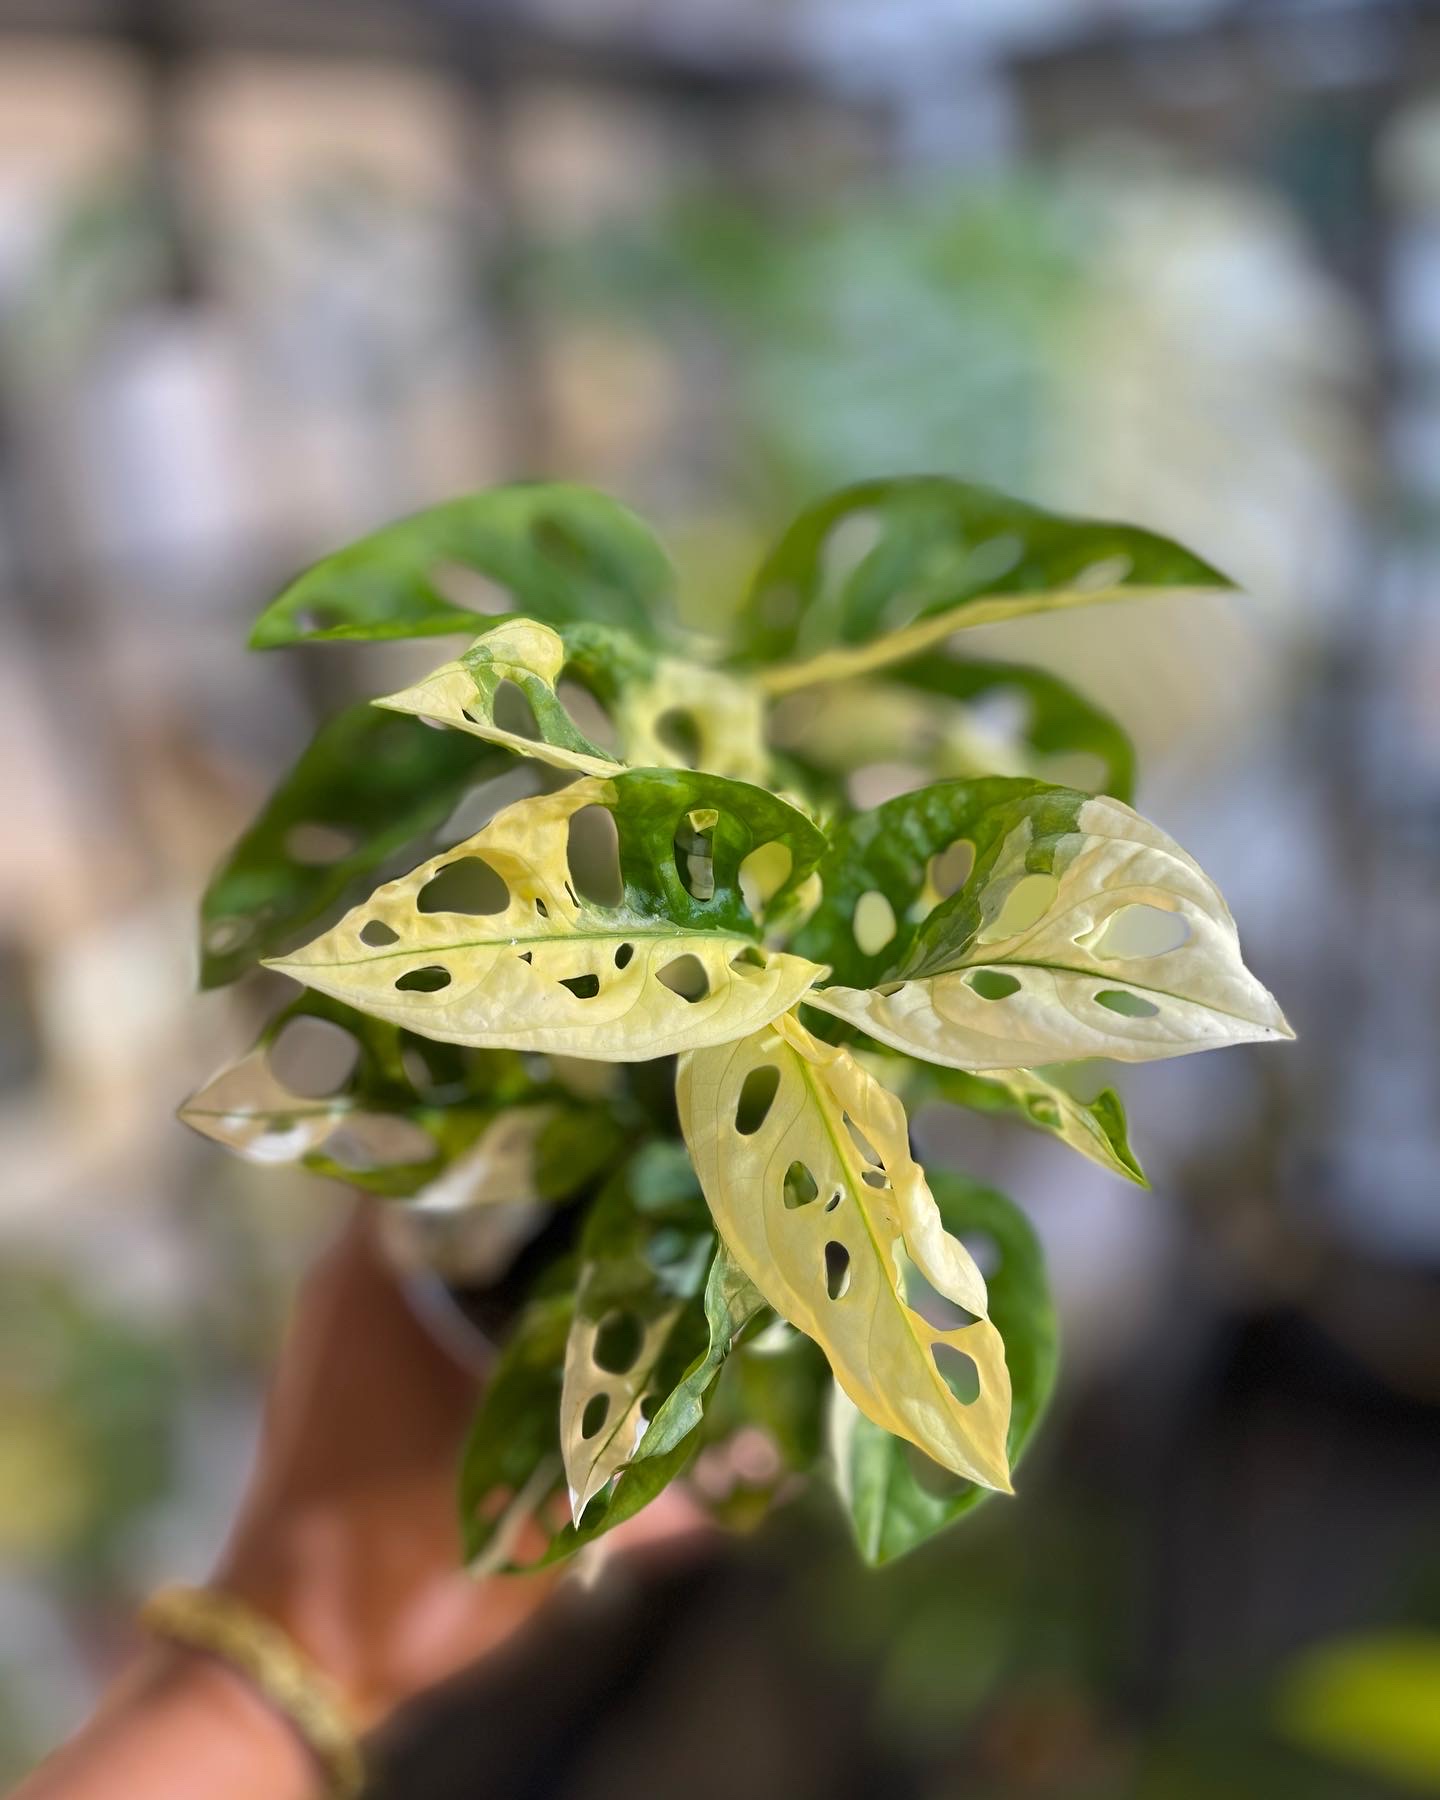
column 680, row 991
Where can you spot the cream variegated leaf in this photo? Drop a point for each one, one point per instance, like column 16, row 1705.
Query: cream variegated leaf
column 601, row 1416
column 639, row 1320
column 666, row 713
column 823, row 1207
column 463, row 694
column 1082, row 931
column 529, row 962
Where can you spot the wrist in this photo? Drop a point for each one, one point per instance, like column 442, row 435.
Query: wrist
column 179, row 1723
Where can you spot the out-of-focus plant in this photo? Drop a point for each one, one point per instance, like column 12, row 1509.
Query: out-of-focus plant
column 699, row 882
column 87, row 1405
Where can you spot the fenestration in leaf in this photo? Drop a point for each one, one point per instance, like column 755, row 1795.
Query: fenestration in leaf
column 555, row 551
column 371, row 1126
column 368, row 785
column 534, row 964
column 1081, row 931
column 666, row 713
column 896, row 1500
column 638, row 1325
column 875, row 573
column 805, row 1164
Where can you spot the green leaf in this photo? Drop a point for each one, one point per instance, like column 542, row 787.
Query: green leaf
column 637, row 1326
column 557, row 552
column 896, row 1497
column 731, row 1301
column 329, row 1090
column 1096, row 1128
column 665, row 713
column 1081, row 931
column 511, row 1461
column 1058, row 722
column 805, row 1162
column 368, row 785
column 957, row 718
column 875, row 573
column 533, row 963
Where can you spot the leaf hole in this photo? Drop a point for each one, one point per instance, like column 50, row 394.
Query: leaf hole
column 1043, row 1111
column 1129, row 1006
column 745, row 961
column 317, row 846
column 923, row 1297
column 1107, row 572
column 763, row 873
column 678, row 731
column 950, row 868
column 314, row 1058
column 376, row 933
column 861, row 1142
column 876, row 1178
column 835, row 1199
column 468, row 885
column 685, row 976
column 624, row 955
column 873, row 922
column 992, row 984
column 1141, row 930
column 617, row 1343
column 800, row 1186
column 429, row 980
column 586, row 711
column 512, row 712
column 368, row 1141
column 846, row 545
column 958, row 1372
column 525, row 956
column 694, row 855
column 1023, row 907
column 597, row 1410
column 837, row 1270
column 593, row 852
column 583, row 987
column 541, row 908
column 757, row 1096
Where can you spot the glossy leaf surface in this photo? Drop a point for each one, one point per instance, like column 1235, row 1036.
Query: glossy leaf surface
column 535, row 965
column 368, row 784
column 825, row 1210
column 875, row 573
column 731, row 1301
column 1081, row 931
column 896, row 1497
column 553, row 551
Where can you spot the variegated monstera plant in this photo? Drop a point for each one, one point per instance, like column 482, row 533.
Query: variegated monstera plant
column 760, row 1276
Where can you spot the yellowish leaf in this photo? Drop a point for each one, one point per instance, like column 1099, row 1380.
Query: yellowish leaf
column 496, row 943
column 805, row 1163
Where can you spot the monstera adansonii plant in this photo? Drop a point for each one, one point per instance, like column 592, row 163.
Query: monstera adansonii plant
column 593, row 838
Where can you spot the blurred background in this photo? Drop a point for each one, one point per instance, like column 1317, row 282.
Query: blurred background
column 273, row 273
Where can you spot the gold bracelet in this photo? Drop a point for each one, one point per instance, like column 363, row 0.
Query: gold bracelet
column 206, row 1619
